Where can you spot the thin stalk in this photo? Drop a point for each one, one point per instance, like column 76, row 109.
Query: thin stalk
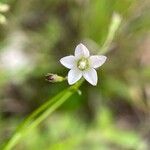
column 49, row 107
column 115, row 22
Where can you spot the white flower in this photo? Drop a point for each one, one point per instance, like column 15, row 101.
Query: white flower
column 82, row 64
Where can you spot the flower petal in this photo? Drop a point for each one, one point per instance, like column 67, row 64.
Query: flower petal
column 68, row 61
column 74, row 75
column 97, row 60
column 81, row 51
column 91, row 76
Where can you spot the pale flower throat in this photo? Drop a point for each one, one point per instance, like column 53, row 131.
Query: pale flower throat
column 83, row 64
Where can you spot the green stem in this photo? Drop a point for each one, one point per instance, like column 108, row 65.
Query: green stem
column 115, row 22
column 49, row 107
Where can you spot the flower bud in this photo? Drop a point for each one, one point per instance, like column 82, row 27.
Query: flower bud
column 54, row 78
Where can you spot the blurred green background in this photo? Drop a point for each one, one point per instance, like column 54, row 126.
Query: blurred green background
column 114, row 115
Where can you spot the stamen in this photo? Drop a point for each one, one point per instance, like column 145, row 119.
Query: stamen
column 83, row 64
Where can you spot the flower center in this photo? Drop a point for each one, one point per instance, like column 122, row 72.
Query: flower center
column 83, row 64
